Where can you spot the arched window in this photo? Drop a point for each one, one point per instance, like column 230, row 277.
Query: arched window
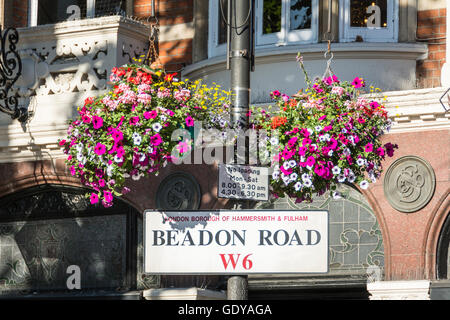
column 46, row 229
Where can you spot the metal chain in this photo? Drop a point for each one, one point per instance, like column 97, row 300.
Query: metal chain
column 152, row 56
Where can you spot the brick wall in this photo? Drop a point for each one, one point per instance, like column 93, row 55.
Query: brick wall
column 173, row 54
column 431, row 27
column 16, row 13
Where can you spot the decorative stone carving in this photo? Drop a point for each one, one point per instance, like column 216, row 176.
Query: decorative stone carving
column 178, row 191
column 409, row 184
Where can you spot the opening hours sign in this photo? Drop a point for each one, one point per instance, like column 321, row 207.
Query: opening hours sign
column 235, row 242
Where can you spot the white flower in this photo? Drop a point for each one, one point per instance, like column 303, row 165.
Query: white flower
column 79, row 147
column 336, row 195
column 276, row 175
column 298, row 186
column 341, row 178
column 286, row 180
column 310, row 131
column 347, row 152
column 157, row 127
column 293, row 176
column 360, row 162
column 330, row 153
column 274, row 140
column 150, row 149
column 163, row 117
column 318, row 128
column 137, row 140
column 286, row 165
column 307, row 183
column 322, row 139
column 351, row 178
column 336, row 170
column 142, row 157
column 136, row 176
column 109, row 171
column 118, row 159
column 364, row 185
column 306, row 176
column 292, row 163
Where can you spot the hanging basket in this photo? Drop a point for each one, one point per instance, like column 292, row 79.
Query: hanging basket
column 324, row 136
column 128, row 132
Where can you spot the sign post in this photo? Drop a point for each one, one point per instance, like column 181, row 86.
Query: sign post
column 240, row 24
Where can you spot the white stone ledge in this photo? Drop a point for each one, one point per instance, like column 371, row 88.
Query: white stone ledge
column 360, row 50
column 183, row 294
column 399, row 290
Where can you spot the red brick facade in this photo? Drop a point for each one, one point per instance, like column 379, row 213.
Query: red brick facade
column 431, row 29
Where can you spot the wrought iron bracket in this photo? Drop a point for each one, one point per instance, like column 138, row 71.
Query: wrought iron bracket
column 10, row 71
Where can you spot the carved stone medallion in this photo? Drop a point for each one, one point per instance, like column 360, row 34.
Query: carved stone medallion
column 178, row 191
column 409, row 184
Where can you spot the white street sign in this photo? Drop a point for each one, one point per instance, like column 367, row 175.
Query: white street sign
column 235, row 242
column 243, row 182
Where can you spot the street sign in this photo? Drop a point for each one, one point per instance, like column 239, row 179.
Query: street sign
column 235, row 242
column 243, row 182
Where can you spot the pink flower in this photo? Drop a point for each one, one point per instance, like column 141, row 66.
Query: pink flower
column 120, row 152
column 144, row 98
column 358, row 83
column 86, row 119
column 117, row 135
column 134, row 121
column 107, row 196
column 380, row 152
column 337, row 90
column 320, row 170
column 368, row 148
column 310, row 161
column 301, row 151
column 189, row 121
column 94, row 198
column 156, row 140
column 150, row 114
column 101, row 183
column 72, row 170
column 97, row 122
column 62, row 142
column 100, row 149
column 275, row 93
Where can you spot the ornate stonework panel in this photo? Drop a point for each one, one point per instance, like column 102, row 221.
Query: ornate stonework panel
column 178, row 191
column 409, row 184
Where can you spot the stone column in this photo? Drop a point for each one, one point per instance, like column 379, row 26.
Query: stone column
column 445, row 72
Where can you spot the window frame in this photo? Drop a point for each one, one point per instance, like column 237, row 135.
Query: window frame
column 90, row 10
column 348, row 33
column 284, row 37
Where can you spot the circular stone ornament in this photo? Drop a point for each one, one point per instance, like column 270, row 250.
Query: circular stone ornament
column 409, row 184
column 178, row 191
